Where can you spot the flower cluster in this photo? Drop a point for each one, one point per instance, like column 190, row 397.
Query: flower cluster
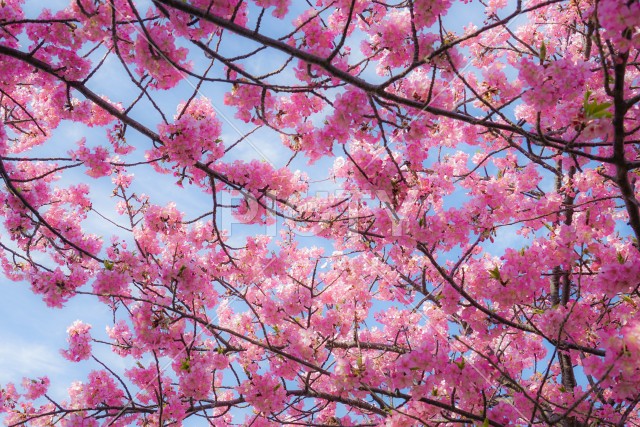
column 193, row 136
column 79, row 342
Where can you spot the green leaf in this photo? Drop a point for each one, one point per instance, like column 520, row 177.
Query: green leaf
column 108, row 264
column 543, row 52
column 485, row 423
column 182, row 269
column 628, row 299
column 621, row 258
column 495, row 273
column 595, row 109
column 599, row 111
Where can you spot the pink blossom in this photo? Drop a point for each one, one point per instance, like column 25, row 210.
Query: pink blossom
column 35, row 388
column 96, row 160
column 79, row 342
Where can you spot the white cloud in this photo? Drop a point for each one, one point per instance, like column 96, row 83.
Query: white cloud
column 22, row 358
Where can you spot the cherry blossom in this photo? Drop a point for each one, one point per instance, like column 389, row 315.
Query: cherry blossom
column 326, row 213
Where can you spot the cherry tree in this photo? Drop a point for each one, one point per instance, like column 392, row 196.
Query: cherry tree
column 475, row 262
